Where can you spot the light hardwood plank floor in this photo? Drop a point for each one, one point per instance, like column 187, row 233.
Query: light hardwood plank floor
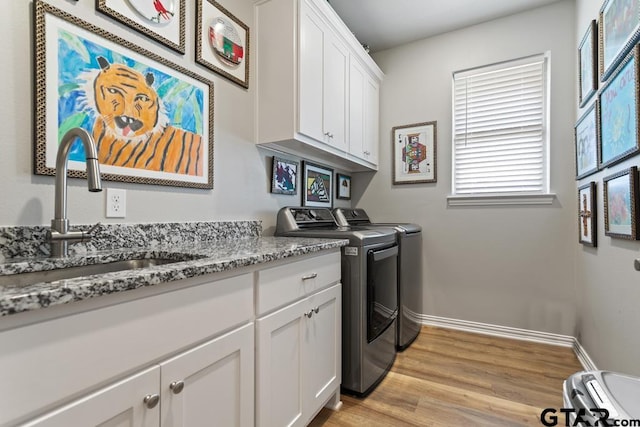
column 455, row 378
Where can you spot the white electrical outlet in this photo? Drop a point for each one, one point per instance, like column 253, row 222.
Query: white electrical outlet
column 116, row 203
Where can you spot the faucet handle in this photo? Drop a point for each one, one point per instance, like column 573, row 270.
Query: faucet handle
column 93, row 228
column 88, row 235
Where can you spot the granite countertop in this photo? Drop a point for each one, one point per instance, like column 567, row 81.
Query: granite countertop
column 194, row 259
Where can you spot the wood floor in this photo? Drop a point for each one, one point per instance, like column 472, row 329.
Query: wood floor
column 454, row 378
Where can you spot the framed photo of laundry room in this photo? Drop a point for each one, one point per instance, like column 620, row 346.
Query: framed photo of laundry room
column 284, row 177
column 318, row 185
column 160, row 20
column 619, row 31
column 151, row 119
column 222, row 42
column 415, row 153
column 621, row 204
column 343, row 187
column 586, row 142
column 588, row 64
column 587, row 212
column 618, row 113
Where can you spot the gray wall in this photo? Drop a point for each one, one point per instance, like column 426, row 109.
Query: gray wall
column 510, row 266
column 607, row 283
column 241, row 171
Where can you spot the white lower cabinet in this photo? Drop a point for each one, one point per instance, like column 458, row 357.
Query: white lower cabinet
column 118, row 405
column 298, row 359
column 211, row 384
column 203, row 352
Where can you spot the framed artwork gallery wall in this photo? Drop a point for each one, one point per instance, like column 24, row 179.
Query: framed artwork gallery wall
column 118, row 69
column 607, row 132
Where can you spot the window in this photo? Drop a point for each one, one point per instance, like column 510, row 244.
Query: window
column 500, row 138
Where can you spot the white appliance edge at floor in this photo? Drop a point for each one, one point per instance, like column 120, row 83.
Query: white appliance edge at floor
column 125, row 354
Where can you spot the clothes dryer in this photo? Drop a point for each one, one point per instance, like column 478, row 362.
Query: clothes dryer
column 410, row 289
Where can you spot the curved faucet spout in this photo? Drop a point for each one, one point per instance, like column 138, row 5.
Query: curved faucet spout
column 60, row 222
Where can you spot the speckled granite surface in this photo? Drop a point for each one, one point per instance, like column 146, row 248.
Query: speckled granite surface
column 28, row 242
column 199, row 253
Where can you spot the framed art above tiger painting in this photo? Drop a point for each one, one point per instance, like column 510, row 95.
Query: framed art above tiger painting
column 152, row 120
column 222, row 42
column 161, row 20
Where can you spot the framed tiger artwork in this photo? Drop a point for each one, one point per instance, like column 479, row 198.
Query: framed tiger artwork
column 151, row 120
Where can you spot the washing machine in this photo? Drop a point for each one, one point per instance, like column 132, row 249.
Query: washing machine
column 598, row 395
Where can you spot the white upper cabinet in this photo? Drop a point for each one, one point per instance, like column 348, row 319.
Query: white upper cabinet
column 304, row 97
column 364, row 93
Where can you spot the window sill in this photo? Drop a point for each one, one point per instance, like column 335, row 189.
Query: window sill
column 501, row 200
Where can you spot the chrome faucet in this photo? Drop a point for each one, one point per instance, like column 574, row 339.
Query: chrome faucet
column 59, row 235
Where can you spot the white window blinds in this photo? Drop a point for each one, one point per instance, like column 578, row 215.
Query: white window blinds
column 500, row 129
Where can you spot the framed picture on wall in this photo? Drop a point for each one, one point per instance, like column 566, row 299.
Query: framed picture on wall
column 414, row 153
column 222, row 42
column 587, row 214
column 169, row 138
column 161, row 20
column 284, row 177
column 588, row 64
column 586, row 143
column 621, row 204
column 318, row 185
column 619, row 30
column 343, row 187
column 618, row 104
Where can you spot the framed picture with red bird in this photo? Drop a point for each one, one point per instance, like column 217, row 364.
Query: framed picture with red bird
column 222, row 42
column 161, row 20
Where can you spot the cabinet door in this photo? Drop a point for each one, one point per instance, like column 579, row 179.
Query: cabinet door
column 310, row 84
column 211, row 384
column 119, row 405
column 322, row 349
column 356, row 109
column 371, row 120
column 335, row 91
column 279, row 367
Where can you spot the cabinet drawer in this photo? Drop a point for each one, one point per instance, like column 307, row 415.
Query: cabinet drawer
column 281, row 285
column 50, row 362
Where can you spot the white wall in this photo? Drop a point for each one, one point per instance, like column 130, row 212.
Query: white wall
column 511, row 266
column 241, row 170
column 607, row 282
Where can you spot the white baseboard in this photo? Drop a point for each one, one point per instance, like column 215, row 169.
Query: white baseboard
column 513, row 333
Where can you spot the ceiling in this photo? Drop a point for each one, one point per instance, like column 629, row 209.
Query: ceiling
column 383, row 24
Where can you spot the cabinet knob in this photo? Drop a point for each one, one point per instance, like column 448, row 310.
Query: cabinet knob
column 309, row 313
column 151, row 400
column 310, row 276
column 366, row 153
column 176, row 386
column 316, row 310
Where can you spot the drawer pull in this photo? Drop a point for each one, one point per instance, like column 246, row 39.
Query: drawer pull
column 176, row 386
column 310, row 276
column 151, row 400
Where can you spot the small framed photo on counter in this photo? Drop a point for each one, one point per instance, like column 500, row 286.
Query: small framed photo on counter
column 343, row 187
column 318, row 185
column 284, row 178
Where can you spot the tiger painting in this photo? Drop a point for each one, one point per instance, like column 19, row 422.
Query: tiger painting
column 131, row 128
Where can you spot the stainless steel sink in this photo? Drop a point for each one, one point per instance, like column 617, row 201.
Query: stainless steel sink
column 26, row 279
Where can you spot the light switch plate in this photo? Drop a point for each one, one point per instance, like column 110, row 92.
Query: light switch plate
column 116, row 203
